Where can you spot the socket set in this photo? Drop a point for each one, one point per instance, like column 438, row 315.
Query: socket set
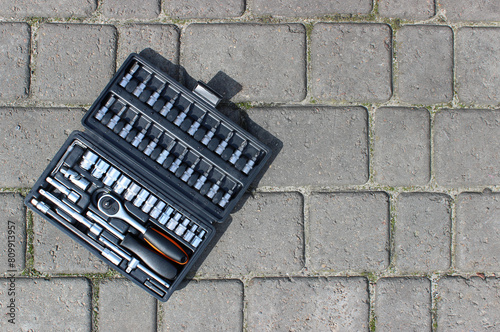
column 144, row 186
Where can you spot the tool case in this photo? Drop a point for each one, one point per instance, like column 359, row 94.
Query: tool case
column 144, row 185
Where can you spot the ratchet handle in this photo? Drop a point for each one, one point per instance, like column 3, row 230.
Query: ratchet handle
column 150, row 258
column 165, row 246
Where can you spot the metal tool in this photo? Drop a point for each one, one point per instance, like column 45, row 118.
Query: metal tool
column 125, row 130
column 182, row 115
column 155, row 212
column 112, row 207
column 126, row 79
column 198, row 238
column 236, row 154
column 100, row 168
column 181, row 228
column 166, row 215
column 141, row 197
column 88, row 160
column 189, row 171
column 190, row 233
column 140, row 136
column 225, row 199
column 177, row 162
column 121, row 184
column 111, row 176
column 223, row 144
column 75, row 178
column 104, row 109
column 250, row 163
column 140, row 88
column 154, row 97
column 149, row 203
column 117, row 117
column 152, row 145
column 70, row 194
column 215, row 188
column 196, row 125
column 168, row 106
column 164, row 154
column 174, row 221
column 132, row 191
column 202, row 179
column 210, row 134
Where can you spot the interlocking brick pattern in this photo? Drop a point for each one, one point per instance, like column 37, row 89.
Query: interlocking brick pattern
column 379, row 211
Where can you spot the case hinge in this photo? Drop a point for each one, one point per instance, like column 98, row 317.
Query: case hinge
column 207, row 94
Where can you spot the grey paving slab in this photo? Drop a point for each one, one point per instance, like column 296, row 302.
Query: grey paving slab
column 423, row 228
column 310, row 8
column 406, row 9
column 351, row 62
column 319, row 146
column 478, row 232
column 209, row 305
column 477, row 67
column 403, row 304
column 349, row 231
column 308, row 304
column 158, row 43
column 130, row 9
column 470, row 10
column 58, row 304
column 12, row 234
column 468, row 304
column 425, row 64
column 465, row 153
column 74, row 62
column 14, row 60
column 204, row 8
column 264, row 236
column 56, row 252
column 29, row 140
column 268, row 61
column 402, row 149
column 43, row 8
column 123, row 306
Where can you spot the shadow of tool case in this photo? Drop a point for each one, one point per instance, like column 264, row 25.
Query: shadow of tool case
column 144, row 185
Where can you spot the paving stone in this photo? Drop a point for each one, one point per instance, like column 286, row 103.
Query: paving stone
column 403, row 304
column 74, row 62
column 313, row 146
column 158, row 43
column 14, row 59
column 422, row 235
column 121, row 298
column 58, row 304
column 351, row 62
column 425, row 64
column 13, row 233
column 406, row 9
column 470, row 10
column 129, row 9
column 468, row 304
column 208, row 305
column 204, row 9
column 29, row 139
column 264, row 236
column 478, row 232
column 465, row 152
column 349, row 231
column 43, row 8
column 308, row 304
column 402, row 146
column 310, row 8
column 477, row 65
column 56, row 252
column 267, row 61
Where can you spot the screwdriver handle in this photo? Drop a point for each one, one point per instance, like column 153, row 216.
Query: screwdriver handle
column 156, row 262
column 165, row 246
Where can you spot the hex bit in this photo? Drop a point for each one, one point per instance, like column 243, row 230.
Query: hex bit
column 126, row 79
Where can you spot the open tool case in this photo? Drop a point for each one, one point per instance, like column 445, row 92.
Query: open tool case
column 144, row 185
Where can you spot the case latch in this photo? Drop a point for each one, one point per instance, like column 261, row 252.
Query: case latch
column 207, row 94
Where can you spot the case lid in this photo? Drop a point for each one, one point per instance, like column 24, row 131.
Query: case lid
column 164, row 118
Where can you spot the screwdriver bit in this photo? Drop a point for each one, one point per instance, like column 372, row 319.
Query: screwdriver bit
column 123, row 83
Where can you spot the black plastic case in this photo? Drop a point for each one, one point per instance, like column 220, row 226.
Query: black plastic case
column 175, row 164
